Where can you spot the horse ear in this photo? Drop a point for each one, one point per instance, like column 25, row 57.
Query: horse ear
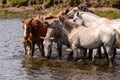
column 30, row 20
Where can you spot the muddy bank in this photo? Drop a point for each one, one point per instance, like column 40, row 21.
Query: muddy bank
column 31, row 11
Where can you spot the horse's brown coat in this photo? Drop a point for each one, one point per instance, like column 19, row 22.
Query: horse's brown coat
column 34, row 29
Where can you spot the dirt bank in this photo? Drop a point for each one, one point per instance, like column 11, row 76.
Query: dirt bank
column 30, row 11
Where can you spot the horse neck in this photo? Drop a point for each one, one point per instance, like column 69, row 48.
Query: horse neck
column 39, row 29
column 91, row 17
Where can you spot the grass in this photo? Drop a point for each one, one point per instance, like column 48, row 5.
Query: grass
column 114, row 0
column 18, row 1
column 55, row 13
column 110, row 15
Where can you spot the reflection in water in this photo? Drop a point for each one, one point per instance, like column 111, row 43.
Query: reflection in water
column 14, row 66
column 55, row 70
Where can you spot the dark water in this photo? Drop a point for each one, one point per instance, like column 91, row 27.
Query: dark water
column 14, row 66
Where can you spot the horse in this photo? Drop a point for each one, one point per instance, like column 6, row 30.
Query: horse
column 33, row 29
column 70, row 15
column 56, row 34
column 92, row 20
column 95, row 37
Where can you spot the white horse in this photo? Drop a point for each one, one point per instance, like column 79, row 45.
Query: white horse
column 94, row 37
column 92, row 20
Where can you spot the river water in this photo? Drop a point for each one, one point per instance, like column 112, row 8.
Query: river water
column 14, row 66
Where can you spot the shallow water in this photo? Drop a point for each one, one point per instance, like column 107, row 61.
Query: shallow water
column 14, row 66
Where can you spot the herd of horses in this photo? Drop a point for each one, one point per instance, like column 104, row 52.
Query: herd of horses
column 78, row 28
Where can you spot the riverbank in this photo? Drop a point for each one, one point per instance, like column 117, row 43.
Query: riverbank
column 31, row 11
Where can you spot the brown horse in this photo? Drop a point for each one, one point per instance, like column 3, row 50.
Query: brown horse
column 33, row 29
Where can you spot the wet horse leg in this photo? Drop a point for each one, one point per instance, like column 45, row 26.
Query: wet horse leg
column 42, row 49
column 25, row 50
column 70, row 55
column 114, row 54
column 32, row 49
column 25, row 46
column 59, row 49
column 94, row 56
column 99, row 52
column 83, row 52
column 110, row 51
column 90, row 53
column 75, row 52
column 106, row 54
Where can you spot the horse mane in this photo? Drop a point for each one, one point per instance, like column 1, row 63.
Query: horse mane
column 90, row 16
column 84, row 8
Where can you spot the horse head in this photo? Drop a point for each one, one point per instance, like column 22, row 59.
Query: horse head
column 27, row 27
column 48, row 39
column 78, row 21
column 47, row 44
column 71, row 13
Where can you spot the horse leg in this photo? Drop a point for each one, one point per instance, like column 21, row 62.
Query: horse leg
column 75, row 52
column 99, row 52
column 42, row 50
column 114, row 54
column 38, row 44
column 106, row 54
column 110, row 52
column 83, row 52
column 25, row 46
column 59, row 49
column 70, row 56
column 90, row 53
column 32, row 49
column 25, row 50
column 94, row 56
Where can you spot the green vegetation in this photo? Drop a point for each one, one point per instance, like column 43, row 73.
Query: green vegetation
column 18, row 1
column 3, row 13
column 55, row 13
column 114, row 0
column 110, row 15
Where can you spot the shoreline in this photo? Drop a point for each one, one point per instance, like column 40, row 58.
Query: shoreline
column 28, row 12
